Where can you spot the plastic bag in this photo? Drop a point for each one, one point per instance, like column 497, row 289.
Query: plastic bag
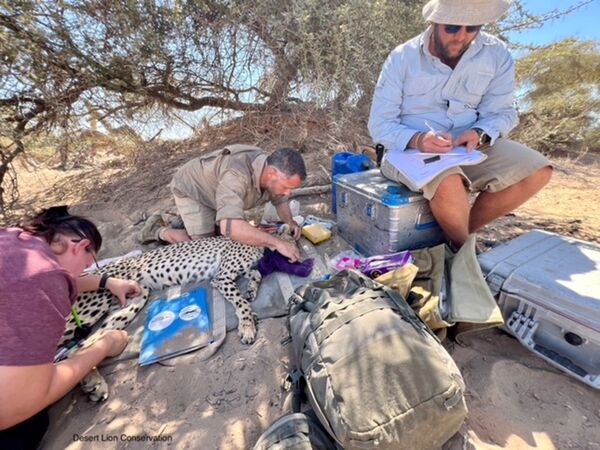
column 373, row 266
column 347, row 259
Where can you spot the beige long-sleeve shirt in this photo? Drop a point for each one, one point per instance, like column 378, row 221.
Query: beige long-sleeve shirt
column 226, row 180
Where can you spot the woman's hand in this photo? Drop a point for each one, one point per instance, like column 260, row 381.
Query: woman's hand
column 123, row 289
column 116, row 341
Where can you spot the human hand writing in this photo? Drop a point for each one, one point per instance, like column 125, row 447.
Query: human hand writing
column 432, row 142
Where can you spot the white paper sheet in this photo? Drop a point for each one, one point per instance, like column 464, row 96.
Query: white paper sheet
column 417, row 168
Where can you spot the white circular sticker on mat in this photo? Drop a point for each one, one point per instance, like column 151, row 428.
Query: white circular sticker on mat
column 162, row 321
column 190, row 312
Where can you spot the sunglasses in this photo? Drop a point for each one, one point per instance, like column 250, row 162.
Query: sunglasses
column 453, row 29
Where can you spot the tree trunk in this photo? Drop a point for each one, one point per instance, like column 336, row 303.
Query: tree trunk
column 10, row 194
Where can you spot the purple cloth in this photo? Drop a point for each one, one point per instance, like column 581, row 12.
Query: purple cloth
column 273, row 260
column 36, row 294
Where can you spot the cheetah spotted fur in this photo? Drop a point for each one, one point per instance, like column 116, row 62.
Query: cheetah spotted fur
column 218, row 259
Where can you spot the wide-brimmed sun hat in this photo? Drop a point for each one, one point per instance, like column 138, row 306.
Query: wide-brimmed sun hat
column 465, row 12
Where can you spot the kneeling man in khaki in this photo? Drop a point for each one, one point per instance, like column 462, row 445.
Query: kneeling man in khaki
column 213, row 190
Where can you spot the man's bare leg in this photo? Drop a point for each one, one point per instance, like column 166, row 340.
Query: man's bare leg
column 491, row 205
column 174, row 236
column 450, row 207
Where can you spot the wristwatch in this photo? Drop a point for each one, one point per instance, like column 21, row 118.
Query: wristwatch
column 484, row 138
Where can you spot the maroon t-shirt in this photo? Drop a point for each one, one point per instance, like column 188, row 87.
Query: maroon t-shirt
column 36, row 294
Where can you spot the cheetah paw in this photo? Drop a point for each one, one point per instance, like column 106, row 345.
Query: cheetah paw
column 247, row 330
column 94, row 385
column 250, row 295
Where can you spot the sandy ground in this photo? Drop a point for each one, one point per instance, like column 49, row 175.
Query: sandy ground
column 516, row 400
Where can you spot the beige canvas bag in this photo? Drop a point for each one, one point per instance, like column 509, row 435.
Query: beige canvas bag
column 448, row 288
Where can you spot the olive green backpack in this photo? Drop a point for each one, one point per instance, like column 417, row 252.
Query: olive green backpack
column 295, row 431
column 374, row 374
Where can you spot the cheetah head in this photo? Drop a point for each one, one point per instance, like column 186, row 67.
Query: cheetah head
column 285, row 232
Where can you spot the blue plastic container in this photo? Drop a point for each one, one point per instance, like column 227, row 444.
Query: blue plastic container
column 346, row 162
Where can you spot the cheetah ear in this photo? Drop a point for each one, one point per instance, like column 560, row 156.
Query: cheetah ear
column 284, row 230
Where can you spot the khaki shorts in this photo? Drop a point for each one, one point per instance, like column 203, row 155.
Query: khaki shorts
column 507, row 163
column 197, row 218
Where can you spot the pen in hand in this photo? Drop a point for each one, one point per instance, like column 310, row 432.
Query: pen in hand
column 432, row 129
column 441, row 142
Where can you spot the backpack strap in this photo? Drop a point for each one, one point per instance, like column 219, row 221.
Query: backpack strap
column 319, row 315
column 407, row 312
column 373, row 297
column 298, row 383
column 368, row 305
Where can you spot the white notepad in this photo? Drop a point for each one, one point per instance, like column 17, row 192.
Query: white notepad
column 417, row 168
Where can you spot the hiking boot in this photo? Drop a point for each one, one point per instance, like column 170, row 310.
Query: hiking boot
column 151, row 229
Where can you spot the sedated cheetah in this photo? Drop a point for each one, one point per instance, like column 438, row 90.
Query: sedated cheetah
column 218, row 259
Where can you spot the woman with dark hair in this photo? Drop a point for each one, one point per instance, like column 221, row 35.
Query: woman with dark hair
column 40, row 266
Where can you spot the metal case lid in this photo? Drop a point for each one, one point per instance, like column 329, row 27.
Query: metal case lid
column 557, row 272
column 372, row 184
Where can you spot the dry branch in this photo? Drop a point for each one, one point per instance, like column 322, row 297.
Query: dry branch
column 311, row 190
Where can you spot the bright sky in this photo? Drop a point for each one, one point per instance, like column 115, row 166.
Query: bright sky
column 582, row 23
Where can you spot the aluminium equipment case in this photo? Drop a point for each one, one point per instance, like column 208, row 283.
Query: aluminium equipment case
column 548, row 288
column 378, row 216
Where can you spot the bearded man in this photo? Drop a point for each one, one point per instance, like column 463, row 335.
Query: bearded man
column 453, row 85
